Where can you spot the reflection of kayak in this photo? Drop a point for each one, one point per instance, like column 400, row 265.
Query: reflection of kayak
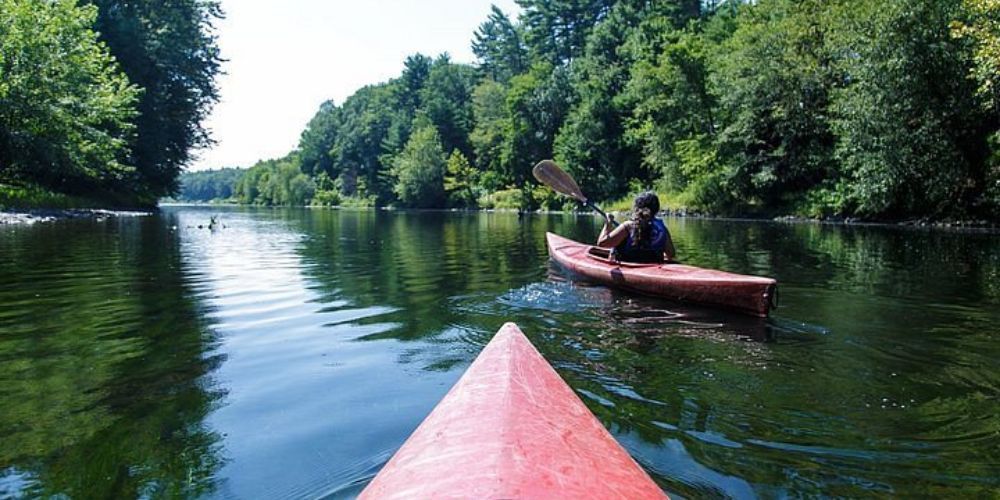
column 511, row 428
column 747, row 294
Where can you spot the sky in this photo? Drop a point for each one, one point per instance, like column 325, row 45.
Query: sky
column 286, row 58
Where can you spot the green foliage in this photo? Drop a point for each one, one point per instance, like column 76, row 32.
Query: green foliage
column 981, row 23
column 910, row 135
column 535, row 108
column 276, row 183
column 556, row 30
column 70, row 121
column 709, row 177
column 487, row 137
column 824, row 109
column 419, row 169
column 460, row 181
column 33, row 197
column 773, row 83
column 991, row 196
column 591, row 143
column 326, row 198
column 65, row 110
column 546, row 199
column 326, row 194
column 446, row 99
column 505, row 199
column 368, row 116
column 318, row 139
column 499, row 47
column 209, row 185
column 170, row 51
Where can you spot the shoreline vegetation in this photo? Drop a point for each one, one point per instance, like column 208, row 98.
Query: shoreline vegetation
column 778, row 108
column 838, row 111
column 102, row 101
column 961, row 225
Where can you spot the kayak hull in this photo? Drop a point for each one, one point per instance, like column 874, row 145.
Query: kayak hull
column 511, row 428
column 747, row 294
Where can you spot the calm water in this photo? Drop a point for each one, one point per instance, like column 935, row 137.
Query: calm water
column 289, row 354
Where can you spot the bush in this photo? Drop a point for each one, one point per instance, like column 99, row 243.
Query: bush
column 419, row 170
column 34, row 197
column 358, row 201
column 510, row 198
column 327, row 198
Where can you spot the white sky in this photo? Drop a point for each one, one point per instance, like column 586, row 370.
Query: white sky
column 286, row 57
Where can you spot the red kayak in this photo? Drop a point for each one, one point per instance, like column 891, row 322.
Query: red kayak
column 511, row 428
column 747, row 294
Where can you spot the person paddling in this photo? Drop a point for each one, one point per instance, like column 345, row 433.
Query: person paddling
column 644, row 238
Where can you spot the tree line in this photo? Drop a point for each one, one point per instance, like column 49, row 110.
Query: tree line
column 104, row 98
column 825, row 108
column 853, row 108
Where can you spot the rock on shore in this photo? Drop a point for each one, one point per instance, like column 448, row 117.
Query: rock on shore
column 49, row 215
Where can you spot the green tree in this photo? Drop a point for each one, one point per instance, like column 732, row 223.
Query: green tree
column 446, row 99
column 982, row 23
column 326, row 193
column 499, row 47
column 318, row 139
column 416, row 71
column 556, row 30
column 670, row 102
column 419, row 169
column 168, row 49
column 277, row 182
column 911, row 137
column 591, row 143
column 536, row 107
column 773, row 82
column 209, row 185
column 65, row 110
column 487, row 136
column 367, row 118
column 460, row 180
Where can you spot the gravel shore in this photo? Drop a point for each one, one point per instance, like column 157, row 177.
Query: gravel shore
column 50, row 215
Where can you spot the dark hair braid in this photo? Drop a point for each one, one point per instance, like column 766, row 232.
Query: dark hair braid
column 644, row 208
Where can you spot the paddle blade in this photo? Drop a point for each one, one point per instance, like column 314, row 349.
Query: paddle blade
column 548, row 173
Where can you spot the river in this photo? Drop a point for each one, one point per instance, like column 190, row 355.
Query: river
column 290, row 353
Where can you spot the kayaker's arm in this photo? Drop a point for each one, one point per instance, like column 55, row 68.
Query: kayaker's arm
column 668, row 251
column 612, row 237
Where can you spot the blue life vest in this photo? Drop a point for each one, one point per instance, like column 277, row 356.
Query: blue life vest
column 650, row 250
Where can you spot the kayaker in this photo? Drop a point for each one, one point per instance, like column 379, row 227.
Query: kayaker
column 643, row 238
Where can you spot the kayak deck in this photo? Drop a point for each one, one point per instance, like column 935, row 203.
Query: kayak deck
column 747, row 294
column 511, row 428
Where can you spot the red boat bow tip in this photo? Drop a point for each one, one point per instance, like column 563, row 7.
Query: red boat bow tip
column 511, row 428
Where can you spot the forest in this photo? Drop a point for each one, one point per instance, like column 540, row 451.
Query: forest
column 886, row 109
column 841, row 108
column 104, row 99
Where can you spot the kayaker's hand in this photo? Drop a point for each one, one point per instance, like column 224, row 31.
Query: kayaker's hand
column 610, row 220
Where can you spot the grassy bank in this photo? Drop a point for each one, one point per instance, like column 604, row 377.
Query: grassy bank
column 33, row 198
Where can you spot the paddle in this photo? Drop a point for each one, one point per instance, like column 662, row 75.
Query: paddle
column 548, row 173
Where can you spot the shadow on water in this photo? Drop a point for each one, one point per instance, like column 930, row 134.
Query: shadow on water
column 105, row 364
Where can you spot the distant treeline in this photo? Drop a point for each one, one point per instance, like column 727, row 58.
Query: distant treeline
column 209, row 185
column 881, row 109
column 104, row 98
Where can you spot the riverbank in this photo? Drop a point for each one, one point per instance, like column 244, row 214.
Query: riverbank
column 977, row 225
column 30, row 205
column 33, row 216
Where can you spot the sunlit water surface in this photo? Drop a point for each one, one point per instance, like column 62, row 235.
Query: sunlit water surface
column 290, row 353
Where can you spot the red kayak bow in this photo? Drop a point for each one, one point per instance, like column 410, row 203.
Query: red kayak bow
column 511, row 428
